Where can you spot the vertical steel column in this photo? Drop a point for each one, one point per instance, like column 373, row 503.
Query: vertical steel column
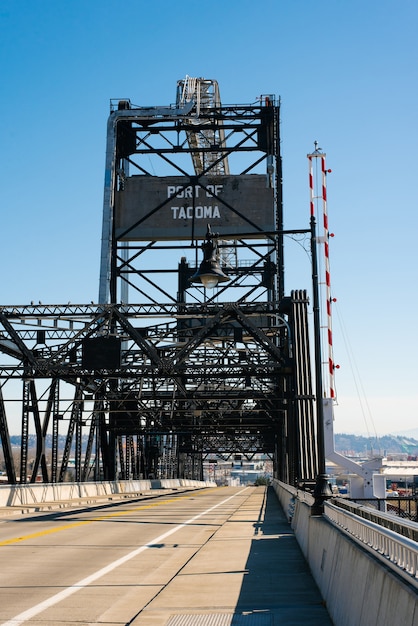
column 123, row 457
column 132, row 457
column 108, row 208
column 5, row 440
column 55, row 433
column 138, row 457
column 103, row 447
column 279, row 208
column 69, row 439
column 305, row 444
column 25, row 432
column 40, row 435
column 78, row 440
column 50, row 411
column 87, row 457
column 110, row 468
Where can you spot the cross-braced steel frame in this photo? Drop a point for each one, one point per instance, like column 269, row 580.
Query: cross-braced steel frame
column 150, row 389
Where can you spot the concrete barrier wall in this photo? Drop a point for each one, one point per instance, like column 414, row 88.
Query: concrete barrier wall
column 14, row 495
column 357, row 588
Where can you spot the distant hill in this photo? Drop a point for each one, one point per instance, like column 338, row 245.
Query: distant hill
column 351, row 445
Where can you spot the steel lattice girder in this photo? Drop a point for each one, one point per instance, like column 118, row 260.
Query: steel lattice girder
column 220, row 391
column 208, row 375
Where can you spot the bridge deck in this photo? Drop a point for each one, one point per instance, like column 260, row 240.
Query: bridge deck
column 233, row 560
column 251, row 573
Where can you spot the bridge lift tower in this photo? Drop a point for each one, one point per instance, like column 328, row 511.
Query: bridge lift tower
column 193, row 347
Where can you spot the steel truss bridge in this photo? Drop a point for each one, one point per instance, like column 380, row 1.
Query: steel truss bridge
column 152, row 389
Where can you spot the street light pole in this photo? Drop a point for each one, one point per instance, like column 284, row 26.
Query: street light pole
column 322, row 489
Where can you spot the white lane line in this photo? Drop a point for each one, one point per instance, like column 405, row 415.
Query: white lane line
column 46, row 604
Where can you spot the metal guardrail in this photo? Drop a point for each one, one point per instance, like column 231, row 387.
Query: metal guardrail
column 403, row 507
column 397, row 552
column 384, row 513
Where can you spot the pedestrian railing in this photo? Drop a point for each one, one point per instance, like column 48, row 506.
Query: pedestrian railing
column 398, row 552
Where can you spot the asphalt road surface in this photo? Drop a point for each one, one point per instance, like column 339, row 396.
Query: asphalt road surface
column 175, row 559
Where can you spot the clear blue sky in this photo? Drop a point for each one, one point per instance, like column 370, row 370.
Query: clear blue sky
column 347, row 75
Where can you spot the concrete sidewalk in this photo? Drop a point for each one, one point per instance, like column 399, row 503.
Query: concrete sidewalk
column 251, row 573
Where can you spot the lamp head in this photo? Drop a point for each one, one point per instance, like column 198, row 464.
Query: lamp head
column 210, row 272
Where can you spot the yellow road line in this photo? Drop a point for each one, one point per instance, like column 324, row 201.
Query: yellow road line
column 65, row 592
column 50, row 531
